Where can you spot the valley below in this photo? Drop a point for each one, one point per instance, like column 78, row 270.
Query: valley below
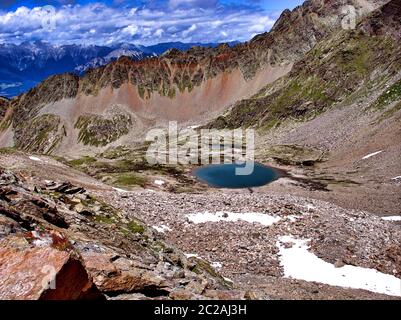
column 237, row 235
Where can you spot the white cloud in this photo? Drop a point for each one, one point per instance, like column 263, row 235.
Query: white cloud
column 191, row 29
column 131, row 30
column 192, row 3
column 158, row 33
column 96, row 23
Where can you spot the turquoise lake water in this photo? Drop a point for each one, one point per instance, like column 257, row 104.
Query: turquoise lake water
column 225, row 176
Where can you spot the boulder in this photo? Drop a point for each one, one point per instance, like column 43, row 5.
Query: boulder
column 33, row 267
column 28, row 209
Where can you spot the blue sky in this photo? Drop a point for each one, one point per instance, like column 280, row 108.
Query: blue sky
column 137, row 21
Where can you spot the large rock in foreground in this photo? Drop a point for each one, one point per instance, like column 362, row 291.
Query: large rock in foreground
column 32, row 268
column 57, row 232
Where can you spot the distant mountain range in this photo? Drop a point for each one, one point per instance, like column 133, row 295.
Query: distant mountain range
column 25, row 65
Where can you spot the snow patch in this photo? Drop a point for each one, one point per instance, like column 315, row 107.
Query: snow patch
column 292, row 218
column 310, row 207
column 159, row 182
column 299, row 263
column 392, row 218
column 161, row 229
column 120, row 190
column 396, row 178
column 203, row 217
column 191, row 255
column 35, row 159
column 216, row 265
column 372, row 155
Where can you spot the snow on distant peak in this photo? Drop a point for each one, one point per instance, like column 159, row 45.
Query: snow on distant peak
column 124, row 52
column 127, row 51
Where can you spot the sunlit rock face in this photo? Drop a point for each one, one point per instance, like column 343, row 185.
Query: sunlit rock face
column 32, row 268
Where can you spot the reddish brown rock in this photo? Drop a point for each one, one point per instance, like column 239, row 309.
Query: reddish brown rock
column 98, row 263
column 90, row 256
column 113, row 277
column 181, row 294
column 225, row 294
column 32, row 270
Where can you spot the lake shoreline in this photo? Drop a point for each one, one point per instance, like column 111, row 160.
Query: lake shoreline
column 278, row 174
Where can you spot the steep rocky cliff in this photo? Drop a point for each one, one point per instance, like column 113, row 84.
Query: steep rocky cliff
column 345, row 67
column 195, row 85
column 3, row 106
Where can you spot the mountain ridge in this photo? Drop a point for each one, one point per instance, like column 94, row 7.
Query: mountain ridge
column 340, row 59
column 23, row 66
column 184, row 86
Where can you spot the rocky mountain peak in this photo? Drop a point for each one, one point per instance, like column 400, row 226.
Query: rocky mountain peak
column 205, row 80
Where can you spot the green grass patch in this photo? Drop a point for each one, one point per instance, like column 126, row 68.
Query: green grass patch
column 390, row 112
column 41, row 135
column 82, row 161
column 9, row 150
column 391, row 95
column 5, row 124
column 130, row 179
column 97, row 130
column 115, row 153
column 105, row 219
column 203, row 266
column 136, row 227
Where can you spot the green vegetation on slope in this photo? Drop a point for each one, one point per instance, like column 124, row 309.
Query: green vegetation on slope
column 97, row 130
column 129, row 179
column 333, row 71
column 391, row 95
column 41, row 135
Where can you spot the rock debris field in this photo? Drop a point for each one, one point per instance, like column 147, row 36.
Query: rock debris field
column 249, row 236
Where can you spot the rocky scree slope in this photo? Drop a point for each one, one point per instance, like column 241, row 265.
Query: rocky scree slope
column 337, row 71
column 183, row 86
column 342, row 101
column 92, row 231
column 93, row 250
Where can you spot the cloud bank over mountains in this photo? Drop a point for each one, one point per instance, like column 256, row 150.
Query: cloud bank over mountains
column 142, row 22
